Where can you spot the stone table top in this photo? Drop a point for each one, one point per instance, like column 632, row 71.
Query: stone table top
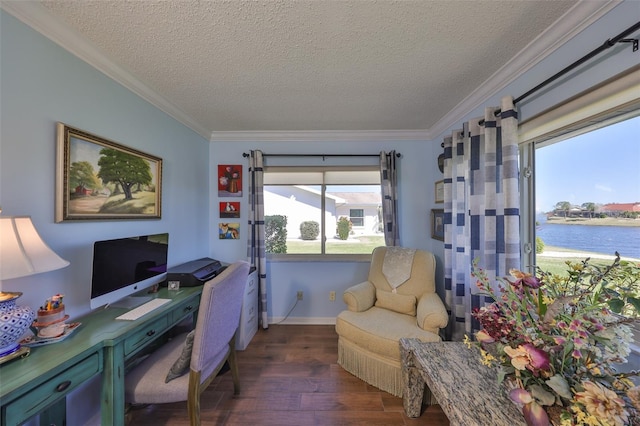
column 467, row 391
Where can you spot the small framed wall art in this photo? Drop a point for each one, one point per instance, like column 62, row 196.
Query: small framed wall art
column 97, row 179
column 439, row 191
column 229, row 209
column 229, row 180
column 228, row 231
column 437, row 224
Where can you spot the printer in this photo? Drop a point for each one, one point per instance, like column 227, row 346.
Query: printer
column 195, row 273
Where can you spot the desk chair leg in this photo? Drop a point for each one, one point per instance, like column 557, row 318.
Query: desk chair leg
column 193, row 398
column 233, row 366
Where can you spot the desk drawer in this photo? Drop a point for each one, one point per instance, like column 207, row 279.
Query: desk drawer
column 148, row 333
column 52, row 390
column 186, row 307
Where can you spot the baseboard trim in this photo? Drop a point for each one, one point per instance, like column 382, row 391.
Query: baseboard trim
column 302, row 321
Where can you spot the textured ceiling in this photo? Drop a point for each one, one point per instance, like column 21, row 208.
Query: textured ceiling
column 283, row 65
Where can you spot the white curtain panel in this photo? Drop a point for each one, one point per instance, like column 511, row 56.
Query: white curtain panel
column 255, row 243
column 482, row 210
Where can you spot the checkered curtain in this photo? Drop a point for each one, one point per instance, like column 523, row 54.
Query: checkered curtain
column 255, row 244
column 389, row 188
column 482, row 210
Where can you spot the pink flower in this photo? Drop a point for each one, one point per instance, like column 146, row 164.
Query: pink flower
column 529, row 357
column 559, row 340
column 524, row 279
column 533, row 412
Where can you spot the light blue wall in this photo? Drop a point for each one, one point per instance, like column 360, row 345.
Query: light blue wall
column 417, row 172
column 41, row 84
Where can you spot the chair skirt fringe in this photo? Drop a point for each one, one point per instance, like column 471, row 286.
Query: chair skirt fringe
column 382, row 373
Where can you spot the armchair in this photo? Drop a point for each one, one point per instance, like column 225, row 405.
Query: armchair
column 398, row 299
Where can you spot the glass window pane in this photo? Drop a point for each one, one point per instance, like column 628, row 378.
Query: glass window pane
column 353, row 213
column 588, row 197
column 299, row 204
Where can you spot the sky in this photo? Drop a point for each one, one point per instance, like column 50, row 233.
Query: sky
column 602, row 166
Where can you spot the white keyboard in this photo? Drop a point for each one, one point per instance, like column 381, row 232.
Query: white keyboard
column 143, row 309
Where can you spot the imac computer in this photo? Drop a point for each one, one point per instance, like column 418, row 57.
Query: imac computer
column 124, row 266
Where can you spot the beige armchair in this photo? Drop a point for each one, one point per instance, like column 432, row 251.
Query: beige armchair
column 398, row 299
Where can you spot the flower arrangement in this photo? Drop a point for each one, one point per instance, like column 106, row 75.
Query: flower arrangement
column 555, row 338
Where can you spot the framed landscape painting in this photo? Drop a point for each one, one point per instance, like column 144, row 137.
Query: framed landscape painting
column 97, row 179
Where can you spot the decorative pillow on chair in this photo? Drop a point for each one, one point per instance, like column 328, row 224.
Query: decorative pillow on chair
column 401, row 303
column 181, row 366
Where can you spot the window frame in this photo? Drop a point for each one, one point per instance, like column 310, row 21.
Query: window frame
column 322, row 257
column 352, row 217
column 614, row 100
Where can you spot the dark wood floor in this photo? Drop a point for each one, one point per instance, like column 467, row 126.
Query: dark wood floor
column 289, row 376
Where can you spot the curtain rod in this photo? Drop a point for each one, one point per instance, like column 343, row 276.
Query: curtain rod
column 620, row 38
column 246, row 154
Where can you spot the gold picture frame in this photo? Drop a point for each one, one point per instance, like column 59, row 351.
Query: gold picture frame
column 438, row 191
column 94, row 183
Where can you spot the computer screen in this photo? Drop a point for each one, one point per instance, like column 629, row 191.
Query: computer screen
column 124, row 266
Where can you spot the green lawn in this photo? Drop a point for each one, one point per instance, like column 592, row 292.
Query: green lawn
column 366, row 244
column 353, row 245
column 557, row 265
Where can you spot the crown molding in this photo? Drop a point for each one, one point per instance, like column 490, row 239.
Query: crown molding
column 321, row 136
column 580, row 16
column 575, row 20
column 38, row 17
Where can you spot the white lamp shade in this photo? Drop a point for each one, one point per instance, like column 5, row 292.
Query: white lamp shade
column 22, row 251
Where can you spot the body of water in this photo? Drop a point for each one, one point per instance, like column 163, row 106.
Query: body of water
column 600, row 239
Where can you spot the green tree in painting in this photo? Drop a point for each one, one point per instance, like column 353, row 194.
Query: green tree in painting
column 564, row 206
column 124, row 169
column 82, row 174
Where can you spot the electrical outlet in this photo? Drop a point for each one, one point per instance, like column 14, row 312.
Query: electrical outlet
column 332, row 296
column 299, row 295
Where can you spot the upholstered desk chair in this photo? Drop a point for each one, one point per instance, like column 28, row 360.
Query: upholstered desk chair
column 398, row 299
column 158, row 379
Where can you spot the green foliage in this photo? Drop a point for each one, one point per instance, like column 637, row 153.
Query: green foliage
column 81, row 173
column 125, row 169
column 275, row 233
column 539, row 245
column 309, row 230
column 616, row 284
column 344, row 227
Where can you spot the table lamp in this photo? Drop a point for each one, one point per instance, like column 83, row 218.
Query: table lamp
column 22, row 253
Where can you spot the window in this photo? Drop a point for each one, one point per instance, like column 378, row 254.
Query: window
column 581, row 181
column 588, row 195
column 583, row 152
column 323, row 210
column 357, row 217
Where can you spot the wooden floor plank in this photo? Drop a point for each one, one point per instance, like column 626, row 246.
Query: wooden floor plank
column 289, row 376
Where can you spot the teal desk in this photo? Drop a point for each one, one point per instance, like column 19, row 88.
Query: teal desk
column 40, row 382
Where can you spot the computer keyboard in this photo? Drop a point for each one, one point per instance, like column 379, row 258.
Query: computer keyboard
column 143, row 309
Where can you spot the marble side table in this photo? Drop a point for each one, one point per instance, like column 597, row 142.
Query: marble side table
column 467, row 391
